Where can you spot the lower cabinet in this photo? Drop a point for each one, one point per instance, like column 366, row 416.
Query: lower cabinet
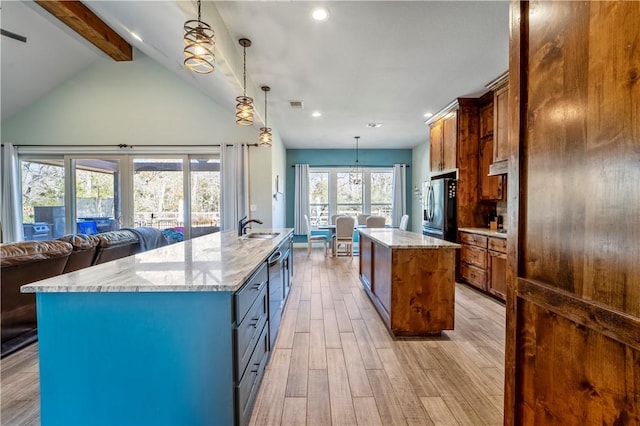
column 251, row 339
column 483, row 262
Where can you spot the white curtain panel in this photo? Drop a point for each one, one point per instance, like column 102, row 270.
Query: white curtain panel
column 11, row 218
column 301, row 198
column 399, row 187
column 234, row 164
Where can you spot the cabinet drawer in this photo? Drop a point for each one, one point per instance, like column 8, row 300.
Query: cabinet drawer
column 498, row 244
column 473, row 275
column 245, row 297
column 473, row 239
column 474, row 256
column 248, row 331
column 247, row 388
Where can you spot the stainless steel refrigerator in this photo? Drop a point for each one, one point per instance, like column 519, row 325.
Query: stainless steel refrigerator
column 439, row 213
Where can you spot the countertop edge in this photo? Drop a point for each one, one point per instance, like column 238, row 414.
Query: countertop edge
column 45, row 286
column 484, row 231
column 432, row 244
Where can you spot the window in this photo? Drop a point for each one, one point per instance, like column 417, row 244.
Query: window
column 381, row 194
column 205, row 195
column 158, row 193
column 349, row 194
column 333, row 191
column 97, row 200
column 318, row 198
column 43, row 198
column 64, row 194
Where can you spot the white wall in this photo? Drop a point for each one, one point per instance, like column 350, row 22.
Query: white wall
column 133, row 103
column 420, row 170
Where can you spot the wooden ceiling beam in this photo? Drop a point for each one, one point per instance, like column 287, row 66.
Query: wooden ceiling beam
column 82, row 20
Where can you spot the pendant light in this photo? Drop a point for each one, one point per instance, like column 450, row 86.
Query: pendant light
column 355, row 177
column 199, row 45
column 244, row 106
column 265, row 132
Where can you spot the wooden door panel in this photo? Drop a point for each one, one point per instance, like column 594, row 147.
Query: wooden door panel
column 573, row 290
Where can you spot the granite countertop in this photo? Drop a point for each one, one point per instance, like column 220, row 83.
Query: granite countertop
column 484, row 231
column 214, row 262
column 396, row 238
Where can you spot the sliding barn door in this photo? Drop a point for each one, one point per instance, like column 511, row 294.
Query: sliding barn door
column 573, row 331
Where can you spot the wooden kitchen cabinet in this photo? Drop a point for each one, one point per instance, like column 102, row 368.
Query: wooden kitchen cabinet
column 443, row 136
column 490, row 186
column 435, row 146
column 501, row 124
column 483, row 262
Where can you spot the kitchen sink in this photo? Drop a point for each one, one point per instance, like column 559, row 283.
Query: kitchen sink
column 262, row 235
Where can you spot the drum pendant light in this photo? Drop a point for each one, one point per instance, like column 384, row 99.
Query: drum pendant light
column 199, row 45
column 266, row 137
column 244, row 105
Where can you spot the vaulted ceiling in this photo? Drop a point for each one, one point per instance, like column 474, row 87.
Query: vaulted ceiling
column 386, row 62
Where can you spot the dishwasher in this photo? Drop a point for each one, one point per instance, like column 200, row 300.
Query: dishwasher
column 276, row 293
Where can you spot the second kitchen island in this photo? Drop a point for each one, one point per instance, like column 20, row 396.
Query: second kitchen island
column 410, row 278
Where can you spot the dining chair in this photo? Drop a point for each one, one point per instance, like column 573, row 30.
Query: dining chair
column 375, row 222
column 404, row 222
column 315, row 238
column 362, row 219
column 344, row 234
column 334, row 217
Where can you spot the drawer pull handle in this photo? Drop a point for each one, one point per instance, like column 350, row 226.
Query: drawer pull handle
column 257, row 368
column 254, row 322
column 256, row 286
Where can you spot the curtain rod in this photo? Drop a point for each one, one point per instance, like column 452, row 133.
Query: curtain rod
column 130, row 146
column 350, row 165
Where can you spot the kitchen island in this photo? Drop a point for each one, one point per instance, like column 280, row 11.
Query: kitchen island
column 174, row 336
column 410, row 278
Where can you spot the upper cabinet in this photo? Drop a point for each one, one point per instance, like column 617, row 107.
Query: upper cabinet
column 443, row 138
column 490, row 186
column 500, row 126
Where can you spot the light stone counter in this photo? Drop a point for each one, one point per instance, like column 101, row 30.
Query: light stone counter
column 210, row 263
column 398, row 239
column 484, row 231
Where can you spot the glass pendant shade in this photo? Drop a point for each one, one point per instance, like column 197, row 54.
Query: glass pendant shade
column 199, row 45
column 244, row 104
column 266, row 137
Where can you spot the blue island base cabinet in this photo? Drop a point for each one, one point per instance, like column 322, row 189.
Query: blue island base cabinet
column 163, row 358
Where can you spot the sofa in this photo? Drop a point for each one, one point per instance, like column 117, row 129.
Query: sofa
column 23, row 263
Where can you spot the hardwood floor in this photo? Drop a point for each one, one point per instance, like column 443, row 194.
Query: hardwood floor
column 336, row 364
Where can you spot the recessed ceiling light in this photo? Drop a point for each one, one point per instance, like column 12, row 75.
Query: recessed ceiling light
column 428, row 115
column 320, row 14
column 316, row 114
column 136, row 36
column 374, row 125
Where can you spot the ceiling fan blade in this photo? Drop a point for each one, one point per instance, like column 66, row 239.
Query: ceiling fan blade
column 13, row 35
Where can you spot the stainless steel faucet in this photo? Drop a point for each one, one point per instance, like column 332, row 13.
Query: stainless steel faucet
column 242, row 225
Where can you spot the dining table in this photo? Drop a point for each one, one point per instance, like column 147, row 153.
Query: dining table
column 332, row 230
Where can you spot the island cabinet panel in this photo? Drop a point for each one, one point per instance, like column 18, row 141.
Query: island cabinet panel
column 382, row 275
column 573, row 296
column 423, row 291
column 136, row 358
column 411, row 287
column 366, row 271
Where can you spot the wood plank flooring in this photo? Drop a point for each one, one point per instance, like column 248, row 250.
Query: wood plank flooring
column 336, row 364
